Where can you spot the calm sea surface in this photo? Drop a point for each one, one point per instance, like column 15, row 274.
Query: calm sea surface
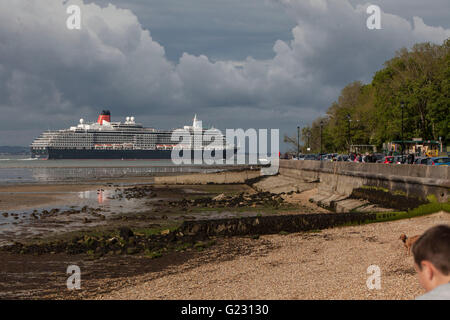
column 21, row 169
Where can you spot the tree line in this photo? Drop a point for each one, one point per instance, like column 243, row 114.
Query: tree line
column 371, row 114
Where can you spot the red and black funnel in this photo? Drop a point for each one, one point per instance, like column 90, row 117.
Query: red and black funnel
column 105, row 115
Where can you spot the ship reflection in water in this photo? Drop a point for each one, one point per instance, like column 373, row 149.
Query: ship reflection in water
column 102, row 196
column 111, row 200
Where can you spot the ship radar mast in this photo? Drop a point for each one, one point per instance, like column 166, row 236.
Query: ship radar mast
column 196, row 124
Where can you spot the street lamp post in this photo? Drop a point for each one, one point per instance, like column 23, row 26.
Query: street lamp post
column 402, row 105
column 298, row 142
column 321, row 126
column 308, row 135
column 348, row 133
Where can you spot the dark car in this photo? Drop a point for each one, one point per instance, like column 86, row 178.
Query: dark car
column 421, row 160
column 379, row 157
column 310, row 157
column 399, row 159
column 342, row 157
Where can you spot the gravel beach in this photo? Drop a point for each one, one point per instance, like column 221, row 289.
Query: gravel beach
column 331, row 264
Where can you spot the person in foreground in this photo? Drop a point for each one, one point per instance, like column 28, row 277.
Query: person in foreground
column 432, row 262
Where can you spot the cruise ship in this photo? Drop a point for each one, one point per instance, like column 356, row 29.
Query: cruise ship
column 106, row 139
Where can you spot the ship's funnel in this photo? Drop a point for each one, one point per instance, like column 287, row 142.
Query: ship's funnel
column 105, row 115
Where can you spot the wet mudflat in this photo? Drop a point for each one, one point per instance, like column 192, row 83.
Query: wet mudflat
column 42, row 241
column 80, row 207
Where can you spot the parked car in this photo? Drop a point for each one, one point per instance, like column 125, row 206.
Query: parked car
column 310, row 157
column 300, row 157
column 438, row 161
column 399, row 159
column 342, row 157
column 421, row 160
column 379, row 157
column 388, row 159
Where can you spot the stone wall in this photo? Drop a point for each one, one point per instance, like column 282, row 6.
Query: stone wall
column 342, row 177
column 271, row 224
column 225, row 177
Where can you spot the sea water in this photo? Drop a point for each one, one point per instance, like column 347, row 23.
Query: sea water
column 22, row 169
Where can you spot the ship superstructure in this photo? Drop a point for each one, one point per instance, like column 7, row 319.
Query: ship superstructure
column 106, row 139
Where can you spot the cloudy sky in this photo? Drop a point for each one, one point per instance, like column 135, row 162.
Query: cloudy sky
column 236, row 63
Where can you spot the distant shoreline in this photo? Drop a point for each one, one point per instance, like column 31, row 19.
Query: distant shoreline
column 14, row 150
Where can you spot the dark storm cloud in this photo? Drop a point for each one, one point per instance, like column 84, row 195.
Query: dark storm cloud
column 231, row 29
column 50, row 76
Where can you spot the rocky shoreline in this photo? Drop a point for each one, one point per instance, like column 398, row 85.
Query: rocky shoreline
column 154, row 233
column 154, row 238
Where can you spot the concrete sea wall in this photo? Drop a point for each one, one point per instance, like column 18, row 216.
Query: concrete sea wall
column 225, row 177
column 342, row 177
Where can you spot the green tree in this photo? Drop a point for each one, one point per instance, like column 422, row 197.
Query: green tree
column 372, row 113
column 419, row 78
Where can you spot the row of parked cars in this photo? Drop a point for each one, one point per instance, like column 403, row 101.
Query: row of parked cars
column 434, row 161
column 430, row 161
column 377, row 158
